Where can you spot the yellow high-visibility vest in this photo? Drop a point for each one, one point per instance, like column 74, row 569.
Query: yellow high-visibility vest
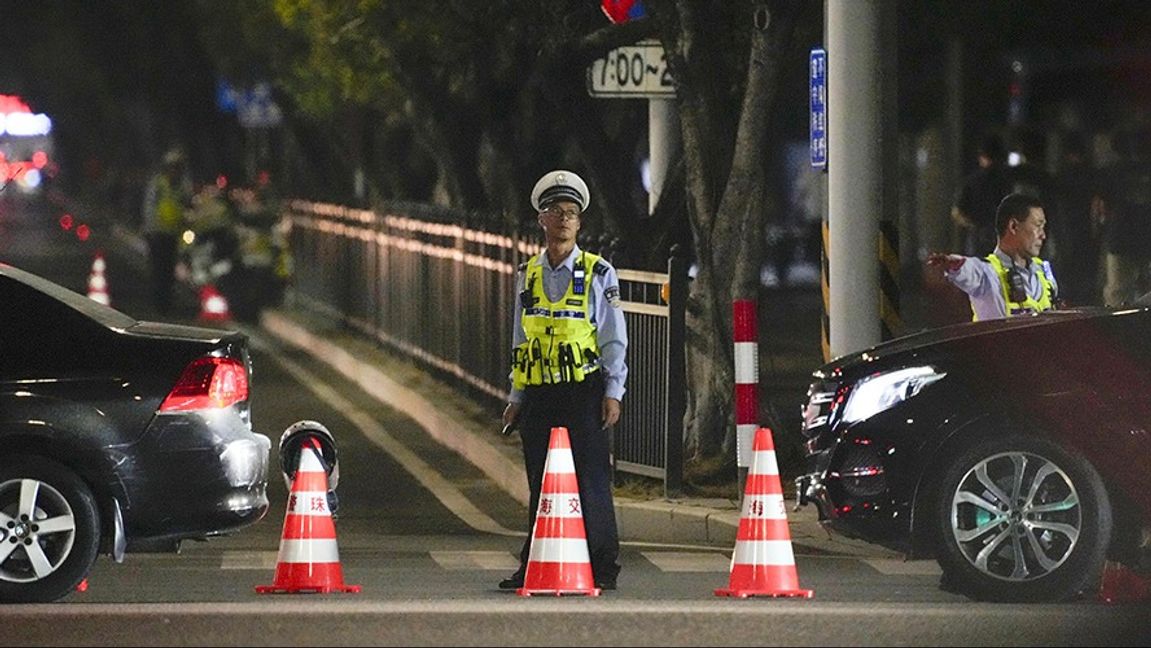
column 1028, row 305
column 561, row 341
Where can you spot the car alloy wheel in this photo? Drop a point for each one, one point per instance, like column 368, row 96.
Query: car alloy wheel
column 49, row 530
column 1022, row 520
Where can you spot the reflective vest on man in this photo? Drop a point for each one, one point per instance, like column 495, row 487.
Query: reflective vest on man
column 1029, row 305
column 561, row 342
column 169, row 211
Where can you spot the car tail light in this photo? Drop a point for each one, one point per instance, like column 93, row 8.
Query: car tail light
column 208, row 383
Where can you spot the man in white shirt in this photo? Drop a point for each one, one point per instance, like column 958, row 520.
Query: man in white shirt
column 1012, row 280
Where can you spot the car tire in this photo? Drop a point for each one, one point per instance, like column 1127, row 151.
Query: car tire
column 66, row 552
column 1044, row 540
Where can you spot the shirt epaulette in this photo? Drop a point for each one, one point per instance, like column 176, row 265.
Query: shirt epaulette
column 600, row 267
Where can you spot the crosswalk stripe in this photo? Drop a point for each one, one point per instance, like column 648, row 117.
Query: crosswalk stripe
column 248, row 560
column 894, row 567
column 463, row 560
column 686, row 561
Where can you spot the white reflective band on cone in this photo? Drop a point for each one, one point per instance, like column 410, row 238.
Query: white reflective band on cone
column 560, row 461
column 309, row 551
column 571, row 550
column 301, row 503
column 560, row 506
column 763, row 552
column 764, row 507
column 309, row 462
column 764, row 463
column 216, row 304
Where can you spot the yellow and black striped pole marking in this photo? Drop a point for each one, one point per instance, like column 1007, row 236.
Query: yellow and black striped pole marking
column 889, row 315
column 825, row 286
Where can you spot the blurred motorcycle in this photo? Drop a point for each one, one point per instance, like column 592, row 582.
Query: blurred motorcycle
column 236, row 245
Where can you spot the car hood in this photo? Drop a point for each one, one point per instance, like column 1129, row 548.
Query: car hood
column 913, row 345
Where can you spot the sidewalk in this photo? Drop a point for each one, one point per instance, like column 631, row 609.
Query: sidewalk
column 457, row 421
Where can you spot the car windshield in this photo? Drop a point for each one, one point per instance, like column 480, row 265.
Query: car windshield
column 105, row 315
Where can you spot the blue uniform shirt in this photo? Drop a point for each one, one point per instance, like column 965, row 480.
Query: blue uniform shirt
column 611, row 328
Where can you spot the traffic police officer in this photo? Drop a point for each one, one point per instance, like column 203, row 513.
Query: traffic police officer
column 1012, row 280
column 569, row 343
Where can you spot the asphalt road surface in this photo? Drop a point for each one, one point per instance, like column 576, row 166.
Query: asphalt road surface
column 427, row 537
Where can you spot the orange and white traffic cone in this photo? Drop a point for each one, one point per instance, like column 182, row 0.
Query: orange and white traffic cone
column 309, row 559
column 213, row 304
column 558, row 562
column 1121, row 585
column 97, row 282
column 763, row 563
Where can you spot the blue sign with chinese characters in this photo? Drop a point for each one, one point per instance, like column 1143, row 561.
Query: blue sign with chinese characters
column 818, row 71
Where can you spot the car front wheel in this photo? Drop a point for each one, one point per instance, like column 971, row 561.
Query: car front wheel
column 1022, row 520
column 49, row 530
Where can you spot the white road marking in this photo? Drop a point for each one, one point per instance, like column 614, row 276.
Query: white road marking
column 686, row 561
column 248, row 560
column 893, row 567
column 466, row 560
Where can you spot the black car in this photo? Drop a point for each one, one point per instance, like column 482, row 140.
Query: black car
column 115, row 436
column 1016, row 452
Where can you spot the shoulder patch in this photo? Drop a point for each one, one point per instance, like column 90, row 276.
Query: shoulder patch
column 600, row 267
column 612, row 296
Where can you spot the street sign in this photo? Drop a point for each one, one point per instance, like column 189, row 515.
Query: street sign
column 254, row 107
column 818, row 69
column 637, row 71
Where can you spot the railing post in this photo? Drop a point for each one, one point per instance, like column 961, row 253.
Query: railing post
column 676, row 404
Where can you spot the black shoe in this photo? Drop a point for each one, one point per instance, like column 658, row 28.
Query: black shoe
column 515, row 581
column 605, row 584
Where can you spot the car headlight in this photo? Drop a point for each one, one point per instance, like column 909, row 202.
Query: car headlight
column 882, row 391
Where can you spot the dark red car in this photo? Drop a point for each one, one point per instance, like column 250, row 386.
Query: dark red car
column 1016, row 452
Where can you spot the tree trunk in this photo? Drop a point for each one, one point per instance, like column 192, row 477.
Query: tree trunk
column 726, row 186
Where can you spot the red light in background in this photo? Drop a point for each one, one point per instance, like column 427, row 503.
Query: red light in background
column 66, row 222
column 39, row 159
column 222, row 181
column 82, row 232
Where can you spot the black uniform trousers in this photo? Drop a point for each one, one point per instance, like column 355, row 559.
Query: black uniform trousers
column 579, row 408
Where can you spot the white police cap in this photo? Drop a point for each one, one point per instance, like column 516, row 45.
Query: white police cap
column 560, row 185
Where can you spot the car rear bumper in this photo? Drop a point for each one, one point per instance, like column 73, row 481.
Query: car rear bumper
column 196, row 479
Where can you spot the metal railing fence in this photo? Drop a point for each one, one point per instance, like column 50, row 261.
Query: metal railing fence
column 441, row 293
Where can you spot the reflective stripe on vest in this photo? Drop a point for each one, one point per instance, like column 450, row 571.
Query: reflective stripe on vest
column 1029, row 305
column 561, row 343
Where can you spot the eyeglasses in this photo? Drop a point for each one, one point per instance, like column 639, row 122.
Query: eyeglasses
column 562, row 214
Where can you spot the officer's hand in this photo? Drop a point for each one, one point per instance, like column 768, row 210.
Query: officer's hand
column 511, row 413
column 611, row 408
column 949, row 262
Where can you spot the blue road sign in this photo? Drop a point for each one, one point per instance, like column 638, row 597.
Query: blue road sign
column 818, row 108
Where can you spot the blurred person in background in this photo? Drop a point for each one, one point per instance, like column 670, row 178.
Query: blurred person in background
column 979, row 195
column 1075, row 231
column 1123, row 207
column 167, row 198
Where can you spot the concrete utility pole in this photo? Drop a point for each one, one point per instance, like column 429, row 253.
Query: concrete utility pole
column 861, row 163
